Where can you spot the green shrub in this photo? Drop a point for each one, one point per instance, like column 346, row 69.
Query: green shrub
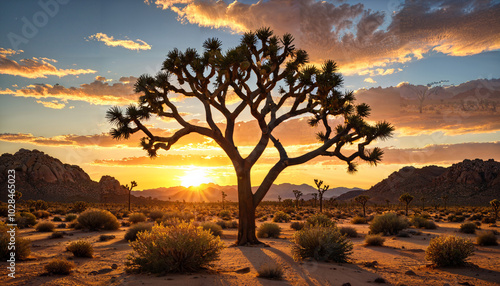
column 297, row 225
column 214, row 228
column 280, row 216
column 487, row 238
column 319, row 220
column 374, row 240
column 468, row 227
column 322, row 244
column 45, row 226
column 59, row 266
column 358, row 220
column 449, row 250
column 155, row 215
column 132, row 232
column 270, row 271
column 70, row 217
column 421, row 222
column 348, row 231
column 180, row 248
column 137, row 217
column 96, row 219
column 388, row 223
column 268, row 230
column 23, row 245
column 81, row 248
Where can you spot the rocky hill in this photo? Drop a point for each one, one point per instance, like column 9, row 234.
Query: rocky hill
column 471, row 182
column 40, row 176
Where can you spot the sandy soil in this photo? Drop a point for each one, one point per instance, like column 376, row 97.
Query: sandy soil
column 399, row 262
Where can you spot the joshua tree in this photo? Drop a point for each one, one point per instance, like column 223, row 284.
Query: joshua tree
column 406, row 198
column 297, row 195
column 496, row 205
column 321, row 190
column 423, row 93
column 133, row 184
column 279, row 199
column 362, row 200
column 224, row 195
column 270, row 80
column 315, row 199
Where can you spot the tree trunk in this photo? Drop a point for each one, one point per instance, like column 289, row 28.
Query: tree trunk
column 246, row 225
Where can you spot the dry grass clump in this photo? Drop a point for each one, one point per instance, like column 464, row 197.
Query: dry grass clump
column 358, row 220
column 225, row 214
column 214, row 228
column 269, row 230
column 179, row 248
column 25, row 219
column 374, row 240
column 422, row 222
column 70, row 217
column 388, row 223
column 45, row 226
column 96, row 219
column 57, row 234
column 449, row 250
column 133, row 231
column 319, row 220
column 23, row 245
column 270, row 271
column 155, row 215
column 468, row 227
column 486, row 238
column 59, row 266
column 227, row 224
column 137, row 217
column 81, row 248
column 297, row 225
column 348, row 231
column 322, row 244
column 280, row 216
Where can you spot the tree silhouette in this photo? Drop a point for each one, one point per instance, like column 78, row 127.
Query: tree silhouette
column 272, row 83
column 224, row 195
column 315, row 199
column 496, row 205
column 362, row 200
column 425, row 92
column 321, row 190
column 279, row 199
column 406, row 198
column 133, row 184
column 297, row 195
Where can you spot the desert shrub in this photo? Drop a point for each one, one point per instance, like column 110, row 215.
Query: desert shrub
column 421, row 222
column 156, row 215
column 180, row 248
column 70, row 217
column 25, row 219
column 388, row 223
column 270, row 271
column 488, row 219
column 23, row 245
column 132, row 232
column 45, row 226
column 280, row 216
column 449, row 250
column 57, row 219
column 214, row 228
column 374, row 240
column 297, row 225
column 321, row 243
column 468, row 227
column 476, row 217
column 225, row 214
column 358, row 220
column 184, row 216
column 486, row 238
column 4, row 210
column 59, row 266
column 456, row 218
column 79, row 206
column 96, row 219
column 319, row 220
column 106, row 237
column 81, row 248
column 137, row 217
column 59, row 211
column 41, row 214
column 227, row 224
column 348, row 231
column 268, row 229
column 57, row 234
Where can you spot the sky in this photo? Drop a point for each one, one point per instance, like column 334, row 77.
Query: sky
column 64, row 63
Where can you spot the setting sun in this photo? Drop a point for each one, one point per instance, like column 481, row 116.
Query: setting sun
column 195, row 177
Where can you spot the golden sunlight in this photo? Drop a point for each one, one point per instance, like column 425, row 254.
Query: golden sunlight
column 195, row 177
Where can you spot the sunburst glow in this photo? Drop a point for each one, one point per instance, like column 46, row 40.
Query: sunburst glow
column 195, row 177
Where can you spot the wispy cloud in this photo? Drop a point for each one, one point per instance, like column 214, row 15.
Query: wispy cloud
column 127, row 44
column 369, row 80
column 34, row 67
column 356, row 37
column 52, row 104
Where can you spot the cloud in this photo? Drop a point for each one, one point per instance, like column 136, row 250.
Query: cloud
column 370, row 80
column 356, row 37
column 52, row 104
column 35, row 67
column 127, row 44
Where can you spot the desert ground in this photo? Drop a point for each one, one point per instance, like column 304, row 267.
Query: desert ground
column 400, row 261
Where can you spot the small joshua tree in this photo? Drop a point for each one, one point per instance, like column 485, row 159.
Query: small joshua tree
column 406, row 198
column 224, row 195
column 297, row 195
column 133, row 184
column 362, row 200
column 315, row 199
column 496, row 205
column 279, row 199
column 321, row 190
